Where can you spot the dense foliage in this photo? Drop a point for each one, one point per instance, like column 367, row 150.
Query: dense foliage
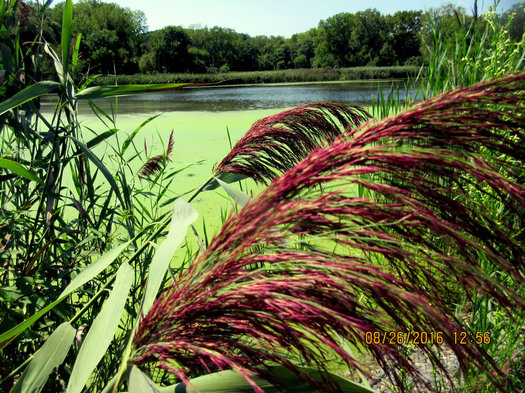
column 115, row 39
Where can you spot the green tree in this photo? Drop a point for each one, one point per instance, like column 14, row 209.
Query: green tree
column 225, row 48
column 169, row 47
column 302, row 47
column 112, row 36
column 404, row 29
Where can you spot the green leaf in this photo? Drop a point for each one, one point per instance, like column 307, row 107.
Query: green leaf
column 226, row 177
column 29, row 93
column 231, row 381
column 126, row 90
column 102, row 137
column 140, row 382
column 127, row 142
column 86, row 275
column 20, row 170
column 183, row 216
column 49, row 356
column 76, row 49
column 238, row 196
column 94, row 269
column 100, row 166
column 67, row 20
column 102, row 331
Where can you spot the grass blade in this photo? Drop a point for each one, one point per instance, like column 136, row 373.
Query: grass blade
column 74, row 60
column 49, row 356
column 232, row 381
column 183, row 216
column 100, row 166
column 29, row 93
column 67, row 20
column 126, row 90
column 227, row 177
column 102, row 331
column 86, row 275
column 19, row 169
column 238, row 196
column 102, row 137
column 140, row 382
column 128, row 141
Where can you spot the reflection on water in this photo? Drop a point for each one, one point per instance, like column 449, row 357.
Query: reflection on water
column 218, row 99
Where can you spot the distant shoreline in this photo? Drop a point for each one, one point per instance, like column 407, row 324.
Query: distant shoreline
column 265, row 77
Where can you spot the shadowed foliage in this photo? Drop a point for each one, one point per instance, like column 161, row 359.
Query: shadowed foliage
column 276, row 143
column 394, row 218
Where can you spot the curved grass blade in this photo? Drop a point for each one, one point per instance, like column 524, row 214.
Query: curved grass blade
column 19, row 169
column 238, row 196
column 87, row 274
column 49, row 356
column 183, row 216
column 140, row 382
column 129, row 139
column 76, row 48
column 126, row 90
column 29, row 93
column 227, row 177
column 100, row 166
column 233, row 381
column 102, row 331
column 102, row 137
column 67, row 21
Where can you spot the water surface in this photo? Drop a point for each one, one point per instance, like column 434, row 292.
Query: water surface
column 252, row 97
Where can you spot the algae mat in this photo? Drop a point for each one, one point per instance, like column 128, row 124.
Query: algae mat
column 201, row 140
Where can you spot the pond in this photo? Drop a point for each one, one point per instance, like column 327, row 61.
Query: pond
column 201, row 119
column 250, row 97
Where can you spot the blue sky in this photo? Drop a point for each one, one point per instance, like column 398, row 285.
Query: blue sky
column 273, row 17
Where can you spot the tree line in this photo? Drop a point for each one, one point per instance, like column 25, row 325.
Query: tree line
column 116, row 40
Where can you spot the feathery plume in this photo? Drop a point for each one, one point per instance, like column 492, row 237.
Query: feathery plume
column 414, row 224
column 156, row 163
column 276, row 143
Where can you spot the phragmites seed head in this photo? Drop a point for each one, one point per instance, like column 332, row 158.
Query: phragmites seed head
column 369, row 233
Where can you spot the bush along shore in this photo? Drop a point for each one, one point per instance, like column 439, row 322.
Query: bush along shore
column 278, row 76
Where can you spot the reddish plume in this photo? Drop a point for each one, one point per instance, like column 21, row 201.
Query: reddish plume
column 156, row 163
column 369, row 233
column 276, row 143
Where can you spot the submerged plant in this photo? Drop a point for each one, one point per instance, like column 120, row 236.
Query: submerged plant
column 389, row 212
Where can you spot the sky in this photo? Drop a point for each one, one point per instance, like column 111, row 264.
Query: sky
column 274, row 17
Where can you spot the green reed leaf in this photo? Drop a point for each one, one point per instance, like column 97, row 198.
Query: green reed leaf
column 140, row 382
column 86, row 275
column 67, row 21
column 126, row 90
column 128, row 141
column 102, row 331
column 49, row 356
column 100, row 166
column 231, row 381
column 102, row 137
column 29, row 93
column 238, row 196
column 227, row 177
column 76, row 50
column 19, row 169
column 183, row 216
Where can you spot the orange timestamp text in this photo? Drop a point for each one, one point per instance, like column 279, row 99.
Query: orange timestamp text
column 424, row 337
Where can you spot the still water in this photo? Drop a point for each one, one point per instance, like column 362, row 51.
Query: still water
column 254, row 97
